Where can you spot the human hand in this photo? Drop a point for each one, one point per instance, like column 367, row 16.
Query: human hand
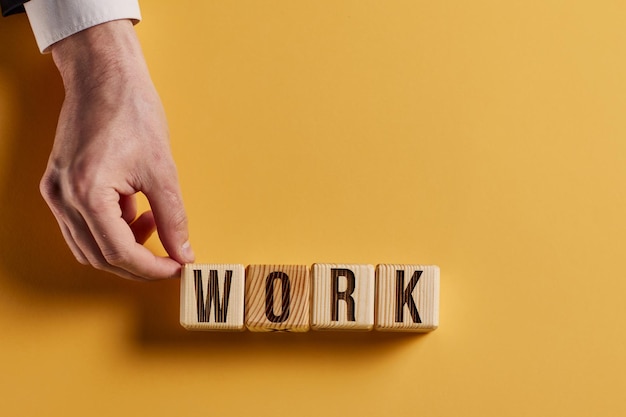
column 111, row 142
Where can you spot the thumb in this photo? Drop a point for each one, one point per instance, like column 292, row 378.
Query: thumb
column 171, row 221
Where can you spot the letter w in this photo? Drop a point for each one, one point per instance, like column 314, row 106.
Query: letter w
column 220, row 308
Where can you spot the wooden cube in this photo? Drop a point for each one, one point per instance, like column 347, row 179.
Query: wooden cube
column 212, row 297
column 277, row 298
column 342, row 297
column 407, row 298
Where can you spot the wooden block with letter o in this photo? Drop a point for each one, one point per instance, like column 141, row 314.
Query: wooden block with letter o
column 277, row 298
column 407, row 297
column 212, row 297
column 343, row 297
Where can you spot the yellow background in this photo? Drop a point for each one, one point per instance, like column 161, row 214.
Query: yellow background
column 486, row 137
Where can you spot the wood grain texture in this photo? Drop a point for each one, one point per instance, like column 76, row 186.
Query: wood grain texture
column 278, row 298
column 407, row 298
column 342, row 297
column 212, row 297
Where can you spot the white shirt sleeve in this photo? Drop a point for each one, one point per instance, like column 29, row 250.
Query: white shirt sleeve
column 53, row 20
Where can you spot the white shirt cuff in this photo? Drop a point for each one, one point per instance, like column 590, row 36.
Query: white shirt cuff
column 53, row 20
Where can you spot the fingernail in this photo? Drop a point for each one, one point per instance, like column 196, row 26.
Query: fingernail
column 188, row 254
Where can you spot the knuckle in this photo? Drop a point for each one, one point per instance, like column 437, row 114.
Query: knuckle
column 78, row 254
column 81, row 259
column 80, row 188
column 100, row 264
column 178, row 220
column 117, row 257
column 75, row 187
column 50, row 188
column 174, row 214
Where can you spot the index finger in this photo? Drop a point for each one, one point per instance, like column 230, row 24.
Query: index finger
column 117, row 244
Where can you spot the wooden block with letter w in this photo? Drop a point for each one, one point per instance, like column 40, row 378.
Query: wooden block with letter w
column 212, row 297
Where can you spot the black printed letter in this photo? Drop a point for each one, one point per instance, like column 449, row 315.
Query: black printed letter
column 204, row 306
column 342, row 295
column 405, row 296
column 269, row 297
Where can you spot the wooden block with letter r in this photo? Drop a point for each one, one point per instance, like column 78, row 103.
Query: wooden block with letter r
column 407, row 298
column 343, row 297
column 212, row 297
column 277, row 298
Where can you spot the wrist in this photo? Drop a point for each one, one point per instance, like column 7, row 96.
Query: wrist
column 96, row 56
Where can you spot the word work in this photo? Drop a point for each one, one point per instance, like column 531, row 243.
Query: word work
column 299, row 298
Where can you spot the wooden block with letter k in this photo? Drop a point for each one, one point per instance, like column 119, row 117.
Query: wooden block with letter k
column 407, row 298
